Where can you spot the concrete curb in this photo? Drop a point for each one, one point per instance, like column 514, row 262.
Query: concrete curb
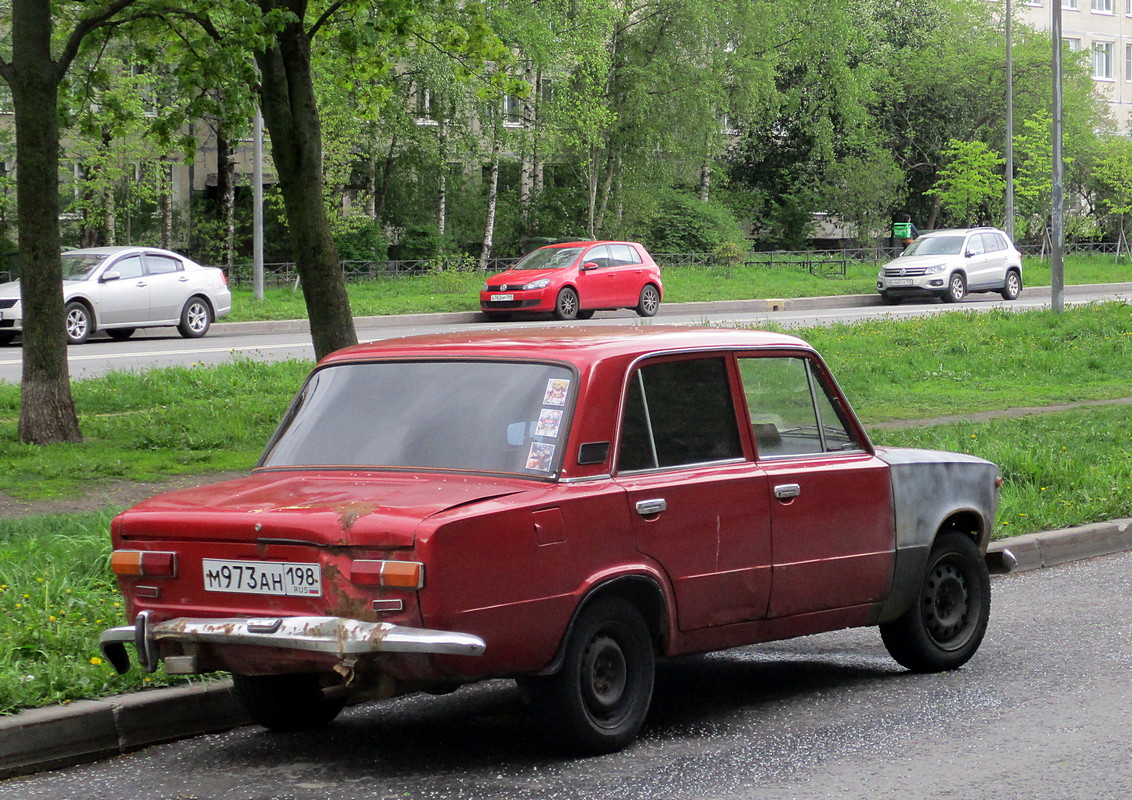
column 719, row 306
column 60, row 736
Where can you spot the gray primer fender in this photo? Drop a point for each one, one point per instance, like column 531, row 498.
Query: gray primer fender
column 928, row 488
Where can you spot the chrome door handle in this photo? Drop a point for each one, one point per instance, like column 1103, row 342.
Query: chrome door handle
column 787, row 491
column 648, row 508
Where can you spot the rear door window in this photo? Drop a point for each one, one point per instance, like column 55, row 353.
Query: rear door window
column 678, row 413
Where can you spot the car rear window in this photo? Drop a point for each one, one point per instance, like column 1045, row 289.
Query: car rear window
column 494, row 417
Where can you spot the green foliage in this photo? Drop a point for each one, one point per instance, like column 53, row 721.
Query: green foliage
column 360, row 239
column 683, row 223
column 970, row 184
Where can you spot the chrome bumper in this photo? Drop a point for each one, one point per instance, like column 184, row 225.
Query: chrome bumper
column 330, row 635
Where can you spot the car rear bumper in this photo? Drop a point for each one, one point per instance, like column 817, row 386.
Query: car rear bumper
column 330, row 636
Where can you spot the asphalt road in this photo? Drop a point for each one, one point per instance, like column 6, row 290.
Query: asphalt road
column 280, row 341
column 1040, row 713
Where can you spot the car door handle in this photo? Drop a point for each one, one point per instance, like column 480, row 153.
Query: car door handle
column 648, row 508
column 787, row 491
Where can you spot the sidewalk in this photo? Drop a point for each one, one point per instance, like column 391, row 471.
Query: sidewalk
column 59, row 736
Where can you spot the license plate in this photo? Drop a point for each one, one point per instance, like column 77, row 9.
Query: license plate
column 502, row 298
column 262, row 577
column 900, row 282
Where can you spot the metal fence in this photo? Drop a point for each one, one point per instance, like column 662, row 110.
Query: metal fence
column 829, row 263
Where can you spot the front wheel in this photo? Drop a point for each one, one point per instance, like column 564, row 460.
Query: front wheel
column 597, row 702
column 79, row 322
column 196, row 317
column 566, row 305
column 945, row 626
column 956, row 288
column 1013, row 286
column 649, row 302
column 292, row 702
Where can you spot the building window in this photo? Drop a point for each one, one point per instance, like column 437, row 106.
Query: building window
column 1104, row 6
column 1069, row 4
column 1102, row 60
column 1128, row 62
column 1072, row 45
column 512, row 110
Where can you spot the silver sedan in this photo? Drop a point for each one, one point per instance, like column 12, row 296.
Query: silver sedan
column 121, row 289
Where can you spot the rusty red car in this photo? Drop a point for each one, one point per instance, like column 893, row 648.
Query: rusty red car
column 558, row 506
column 572, row 280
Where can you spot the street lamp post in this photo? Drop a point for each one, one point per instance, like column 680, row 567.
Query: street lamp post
column 1009, row 129
column 1057, row 232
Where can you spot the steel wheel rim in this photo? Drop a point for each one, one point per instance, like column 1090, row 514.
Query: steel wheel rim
column 1012, row 284
column 957, row 287
column 947, row 605
column 651, row 300
column 605, row 680
column 568, row 303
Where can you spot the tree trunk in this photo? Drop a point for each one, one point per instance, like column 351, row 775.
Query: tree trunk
column 705, row 182
column 166, row 205
column 47, row 409
column 291, row 115
column 226, row 189
column 492, row 197
column 386, row 179
column 442, row 179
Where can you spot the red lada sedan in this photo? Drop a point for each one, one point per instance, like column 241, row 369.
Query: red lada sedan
column 562, row 506
column 575, row 279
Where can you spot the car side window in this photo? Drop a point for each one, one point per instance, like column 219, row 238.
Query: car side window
column 792, row 409
column 623, row 254
column 678, row 413
column 996, row 243
column 975, row 245
column 600, row 256
column 161, row 265
column 128, row 267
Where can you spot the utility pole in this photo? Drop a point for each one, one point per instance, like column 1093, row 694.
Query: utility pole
column 257, row 207
column 1009, row 128
column 1057, row 232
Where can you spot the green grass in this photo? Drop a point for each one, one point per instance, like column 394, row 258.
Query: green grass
column 141, row 426
column 56, row 596
column 459, row 290
column 1061, row 469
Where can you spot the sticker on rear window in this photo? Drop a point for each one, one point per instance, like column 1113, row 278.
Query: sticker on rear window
column 540, row 456
column 556, row 390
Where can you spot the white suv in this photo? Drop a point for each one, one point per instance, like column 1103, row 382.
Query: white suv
column 948, row 264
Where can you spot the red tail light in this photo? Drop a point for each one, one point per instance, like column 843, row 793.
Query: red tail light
column 144, row 563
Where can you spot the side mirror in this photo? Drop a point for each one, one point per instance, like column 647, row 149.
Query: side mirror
column 111, row 275
column 589, row 265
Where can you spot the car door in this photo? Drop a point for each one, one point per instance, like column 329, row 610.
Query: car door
column 596, row 285
column 628, row 275
column 997, row 253
column 123, row 300
column 169, row 287
column 832, row 528
column 699, row 507
column 979, row 263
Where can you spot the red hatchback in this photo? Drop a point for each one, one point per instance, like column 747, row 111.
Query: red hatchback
column 574, row 279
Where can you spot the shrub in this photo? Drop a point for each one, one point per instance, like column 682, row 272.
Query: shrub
column 683, row 223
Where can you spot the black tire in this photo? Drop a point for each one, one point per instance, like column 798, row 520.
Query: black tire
column 6, row 338
column 956, row 288
column 889, row 299
column 566, row 305
column 1012, row 289
column 79, row 322
column 196, row 318
column 287, row 702
column 120, row 334
column 586, row 314
column 598, row 700
column 649, row 302
column 945, row 626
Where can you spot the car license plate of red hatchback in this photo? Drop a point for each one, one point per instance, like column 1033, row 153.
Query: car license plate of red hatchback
column 262, row 577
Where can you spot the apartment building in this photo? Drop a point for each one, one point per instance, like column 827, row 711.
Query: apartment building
column 1104, row 29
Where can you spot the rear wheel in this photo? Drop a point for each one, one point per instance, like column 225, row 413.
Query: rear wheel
column 120, row 334
column 597, row 702
column 287, row 702
column 79, row 322
column 196, row 318
column 1013, row 286
column 649, row 302
column 945, row 626
column 566, row 306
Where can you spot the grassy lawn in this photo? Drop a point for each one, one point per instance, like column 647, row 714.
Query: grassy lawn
column 459, row 291
column 1062, row 469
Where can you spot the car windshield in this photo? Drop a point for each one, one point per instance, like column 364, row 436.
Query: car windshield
column 549, row 258
column 936, row 246
column 494, row 417
column 78, row 267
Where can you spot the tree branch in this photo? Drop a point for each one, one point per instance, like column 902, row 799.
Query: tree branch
column 84, row 27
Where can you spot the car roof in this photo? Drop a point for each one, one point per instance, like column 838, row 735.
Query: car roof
column 116, row 249
column 962, row 231
column 578, row 345
column 586, row 243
